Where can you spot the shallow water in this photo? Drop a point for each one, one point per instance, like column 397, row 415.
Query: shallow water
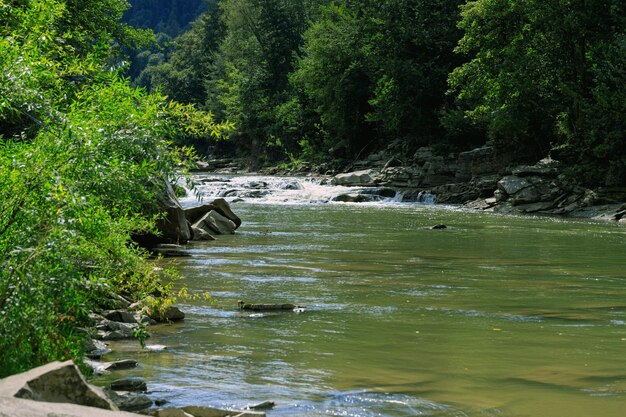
column 494, row 316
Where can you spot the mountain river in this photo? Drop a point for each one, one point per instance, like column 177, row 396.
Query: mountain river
column 494, row 316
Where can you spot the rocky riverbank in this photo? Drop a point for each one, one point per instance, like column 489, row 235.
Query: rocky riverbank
column 480, row 179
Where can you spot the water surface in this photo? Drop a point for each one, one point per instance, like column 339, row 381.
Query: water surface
column 494, row 316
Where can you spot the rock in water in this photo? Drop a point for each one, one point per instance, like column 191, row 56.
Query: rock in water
column 439, row 227
column 269, row 307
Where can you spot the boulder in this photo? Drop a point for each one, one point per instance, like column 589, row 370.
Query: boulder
column 511, row 185
column 121, row 316
column 129, row 401
column 57, row 382
column 216, row 223
column 171, row 313
column 95, row 349
column 357, row 178
column 199, row 233
column 354, row 198
column 129, row 384
column 220, row 205
column 173, row 227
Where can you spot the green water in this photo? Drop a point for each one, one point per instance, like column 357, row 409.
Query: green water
column 494, row 316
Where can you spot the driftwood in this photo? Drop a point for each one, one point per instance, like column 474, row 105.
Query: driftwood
column 267, row 307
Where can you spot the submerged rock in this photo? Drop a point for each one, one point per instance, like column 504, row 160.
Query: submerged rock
column 129, row 384
column 268, row 307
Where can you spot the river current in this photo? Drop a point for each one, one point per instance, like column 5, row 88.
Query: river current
column 494, row 316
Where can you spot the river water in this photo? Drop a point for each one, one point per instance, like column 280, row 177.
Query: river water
column 494, row 316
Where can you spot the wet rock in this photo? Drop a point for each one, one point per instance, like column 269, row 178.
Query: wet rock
column 121, row 316
column 199, row 233
column 129, row 401
column 292, row 186
column 113, row 330
column 95, row 349
column 213, row 222
column 129, row 384
column 265, row 405
column 170, row 412
column 357, row 178
column 57, row 382
column 171, row 313
column 267, row 307
column 439, row 227
column 512, row 185
column 354, row 198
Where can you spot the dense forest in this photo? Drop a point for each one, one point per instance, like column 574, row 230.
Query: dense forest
column 317, row 79
column 83, row 158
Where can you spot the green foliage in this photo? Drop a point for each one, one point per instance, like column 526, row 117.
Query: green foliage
column 536, row 72
column 82, row 157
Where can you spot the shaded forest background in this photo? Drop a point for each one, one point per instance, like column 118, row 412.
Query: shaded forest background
column 320, row 80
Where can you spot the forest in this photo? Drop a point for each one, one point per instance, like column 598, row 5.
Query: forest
column 321, row 80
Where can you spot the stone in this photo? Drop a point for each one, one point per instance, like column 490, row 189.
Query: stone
column 357, row 178
column 121, row 316
column 17, row 407
column 534, row 170
column 129, row 401
column 171, row 313
column 129, row 384
column 267, row 307
column 223, row 208
column 95, row 349
column 199, row 233
column 57, row 382
column 174, row 226
column 215, row 222
column 354, row 198
column 439, row 227
column 265, row 405
column 512, row 184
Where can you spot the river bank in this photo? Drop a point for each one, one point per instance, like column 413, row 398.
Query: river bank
column 479, row 179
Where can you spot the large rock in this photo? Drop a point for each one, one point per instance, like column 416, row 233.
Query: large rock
column 357, row 178
column 57, row 382
column 174, row 227
column 213, row 222
column 220, row 205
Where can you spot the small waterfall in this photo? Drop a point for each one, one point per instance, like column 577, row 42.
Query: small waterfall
column 205, row 187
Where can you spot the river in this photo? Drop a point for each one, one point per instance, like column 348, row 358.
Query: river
column 494, row 316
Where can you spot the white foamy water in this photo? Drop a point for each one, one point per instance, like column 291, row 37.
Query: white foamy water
column 284, row 190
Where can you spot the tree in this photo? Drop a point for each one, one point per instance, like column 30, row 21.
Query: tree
column 533, row 75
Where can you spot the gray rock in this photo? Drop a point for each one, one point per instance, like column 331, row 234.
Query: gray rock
column 534, row 170
column 355, row 198
column 216, row 223
column 174, row 227
column 129, row 384
column 357, row 178
column 129, row 401
column 122, row 316
column 58, row 382
column 95, row 349
column 171, row 313
column 512, row 184
column 199, row 233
